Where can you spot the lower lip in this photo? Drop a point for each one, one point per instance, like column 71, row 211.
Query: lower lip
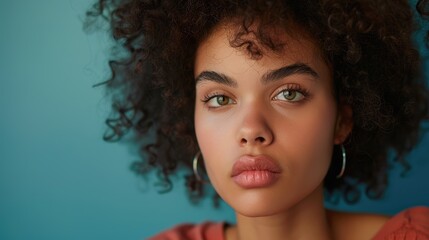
column 256, row 178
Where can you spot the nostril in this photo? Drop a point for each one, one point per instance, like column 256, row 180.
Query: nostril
column 256, row 140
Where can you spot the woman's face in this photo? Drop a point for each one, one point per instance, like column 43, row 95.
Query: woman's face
column 266, row 128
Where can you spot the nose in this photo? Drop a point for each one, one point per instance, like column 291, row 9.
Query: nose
column 255, row 130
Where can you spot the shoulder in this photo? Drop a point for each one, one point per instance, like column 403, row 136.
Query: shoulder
column 206, row 230
column 412, row 223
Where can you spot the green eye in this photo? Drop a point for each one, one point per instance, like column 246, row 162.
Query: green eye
column 290, row 96
column 218, row 101
column 222, row 100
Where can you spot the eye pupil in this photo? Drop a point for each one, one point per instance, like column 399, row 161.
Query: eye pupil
column 289, row 95
column 222, row 100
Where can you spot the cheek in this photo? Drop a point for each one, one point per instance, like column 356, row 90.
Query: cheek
column 310, row 141
column 213, row 136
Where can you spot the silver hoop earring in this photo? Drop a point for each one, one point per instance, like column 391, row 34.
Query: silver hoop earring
column 195, row 167
column 343, row 166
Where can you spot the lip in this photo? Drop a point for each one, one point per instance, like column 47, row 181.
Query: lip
column 255, row 171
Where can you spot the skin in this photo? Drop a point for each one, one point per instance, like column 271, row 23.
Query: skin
column 292, row 119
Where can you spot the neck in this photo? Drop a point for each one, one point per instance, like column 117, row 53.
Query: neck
column 306, row 220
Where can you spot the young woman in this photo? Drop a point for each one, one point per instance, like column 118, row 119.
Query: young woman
column 282, row 103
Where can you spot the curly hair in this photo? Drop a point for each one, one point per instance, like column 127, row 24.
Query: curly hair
column 376, row 70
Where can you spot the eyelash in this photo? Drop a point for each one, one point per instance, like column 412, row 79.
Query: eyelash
column 209, row 96
column 297, row 88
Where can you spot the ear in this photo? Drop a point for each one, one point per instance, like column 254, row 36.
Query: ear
column 344, row 123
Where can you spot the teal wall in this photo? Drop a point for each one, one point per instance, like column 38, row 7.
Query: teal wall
column 58, row 179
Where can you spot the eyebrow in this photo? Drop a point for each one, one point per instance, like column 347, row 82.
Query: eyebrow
column 277, row 74
column 215, row 77
column 298, row 68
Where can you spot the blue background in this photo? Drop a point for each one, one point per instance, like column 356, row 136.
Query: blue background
column 58, row 179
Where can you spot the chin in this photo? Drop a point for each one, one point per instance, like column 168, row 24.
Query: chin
column 255, row 214
column 258, row 205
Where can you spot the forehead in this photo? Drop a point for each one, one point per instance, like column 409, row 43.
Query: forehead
column 227, row 44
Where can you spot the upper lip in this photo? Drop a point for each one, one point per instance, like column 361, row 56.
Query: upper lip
column 254, row 163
